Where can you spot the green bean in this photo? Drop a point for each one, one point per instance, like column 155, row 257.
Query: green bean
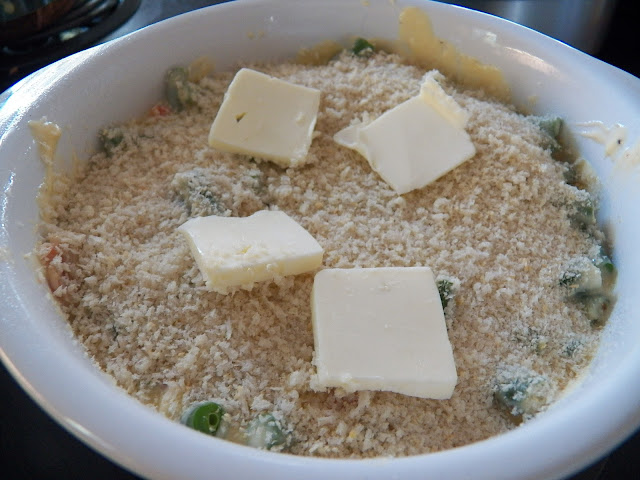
column 589, row 283
column 571, row 348
column 110, row 139
column 608, row 270
column 521, row 391
column 362, row 47
column 445, row 289
column 551, row 126
column 583, row 215
column 204, row 417
column 178, row 90
column 264, row 432
column 193, row 188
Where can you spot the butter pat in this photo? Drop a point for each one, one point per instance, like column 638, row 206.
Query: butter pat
column 416, row 142
column 237, row 252
column 267, row 118
column 381, row 329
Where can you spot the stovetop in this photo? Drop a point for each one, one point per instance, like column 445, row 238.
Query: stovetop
column 86, row 23
column 33, row 446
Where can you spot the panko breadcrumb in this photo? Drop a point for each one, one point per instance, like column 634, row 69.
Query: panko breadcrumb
column 499, row 227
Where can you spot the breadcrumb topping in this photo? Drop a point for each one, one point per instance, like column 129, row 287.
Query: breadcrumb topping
column 498, row 228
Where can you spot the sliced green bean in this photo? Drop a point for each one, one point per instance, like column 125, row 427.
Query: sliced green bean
column 110, row 139
column 571, row 348
column 551, row 126
column 362, row 47
column 520, row 391
column 193, row 188
column 607, row 269
column 264, row 432
column 178, row 90
column 445, row 289
column 204, row 417
column 589, row 283
column 583, row 215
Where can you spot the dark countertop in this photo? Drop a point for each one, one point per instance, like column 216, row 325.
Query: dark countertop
column 33, row 446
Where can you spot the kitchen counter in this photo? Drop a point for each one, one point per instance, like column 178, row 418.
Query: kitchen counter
column 33, row 446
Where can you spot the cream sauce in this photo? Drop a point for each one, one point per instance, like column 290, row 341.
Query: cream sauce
column 419, row 43
column 319, row 54
column 613, row 138
column 46, row 134
column 630, row 157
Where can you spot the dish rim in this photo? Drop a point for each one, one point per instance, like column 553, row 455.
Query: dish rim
column 107, row 439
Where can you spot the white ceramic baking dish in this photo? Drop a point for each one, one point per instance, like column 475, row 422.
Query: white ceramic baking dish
column 123, row 78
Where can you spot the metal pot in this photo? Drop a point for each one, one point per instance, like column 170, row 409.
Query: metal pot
column 19, row 19
column 580, row 23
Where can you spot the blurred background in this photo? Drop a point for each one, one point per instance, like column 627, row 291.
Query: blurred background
column 580, row 23
column 35, row 34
